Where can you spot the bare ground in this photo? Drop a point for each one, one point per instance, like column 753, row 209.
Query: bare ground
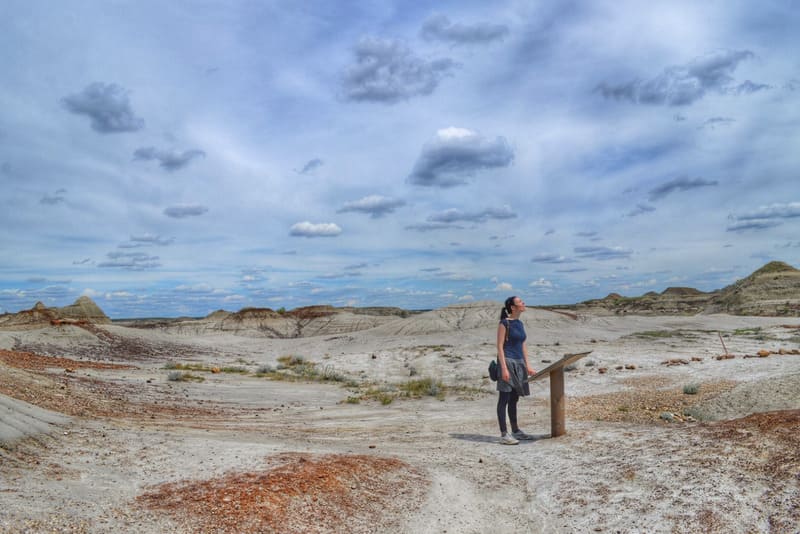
column 239, row 452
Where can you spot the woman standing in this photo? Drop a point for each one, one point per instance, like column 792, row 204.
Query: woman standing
column 512, row 357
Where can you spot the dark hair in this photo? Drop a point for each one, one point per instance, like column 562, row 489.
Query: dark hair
column 507, row 307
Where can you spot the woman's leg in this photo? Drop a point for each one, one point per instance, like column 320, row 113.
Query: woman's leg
column 502, row 404
column 512, row 410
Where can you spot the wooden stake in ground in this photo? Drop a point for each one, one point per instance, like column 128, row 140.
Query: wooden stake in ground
column 723, row 344
column 558, row 402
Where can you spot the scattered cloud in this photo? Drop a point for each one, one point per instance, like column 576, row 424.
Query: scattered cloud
column 182, row 211
column 147, row 240
column 683, row 84
column 311, row 166
column 764, row 217
column 439, row 28
column 748, row 87
column 641, row 209
column 387, row 71
column 541, row 283
column 53, row 199
column 374, row 205
column 432, row 226
column 107, row 106
column 682, row 183
column 453, row 215
column 169, row 160
column 550, row 258
column 503, row 286
column 603, row 253
column 307, row 229
column 133, row 261
column 713, row 122
column 457, row 153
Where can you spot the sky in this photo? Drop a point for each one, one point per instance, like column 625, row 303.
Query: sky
column 175, row 158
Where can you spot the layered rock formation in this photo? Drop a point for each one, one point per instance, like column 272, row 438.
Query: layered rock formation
column 773, row 290
column 82, row 310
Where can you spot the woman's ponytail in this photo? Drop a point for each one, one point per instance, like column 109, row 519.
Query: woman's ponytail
column 507, row 308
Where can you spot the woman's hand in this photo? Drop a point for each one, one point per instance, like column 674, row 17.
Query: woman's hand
column 531, row 371
column 504, row 374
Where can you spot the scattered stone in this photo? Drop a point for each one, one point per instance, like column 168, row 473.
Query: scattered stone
column 215, row 370
column 619, row 368
column 763, row 353
column 602, row 370
column 697, row 359
column 675, row 361
column 630, row 366
column 726, row 357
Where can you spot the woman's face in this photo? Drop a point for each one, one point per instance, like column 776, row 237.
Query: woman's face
column 518, row 305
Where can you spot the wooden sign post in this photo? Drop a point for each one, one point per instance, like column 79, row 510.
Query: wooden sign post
column 558, row 402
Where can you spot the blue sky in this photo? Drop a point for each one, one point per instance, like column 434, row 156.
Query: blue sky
column 175, row 158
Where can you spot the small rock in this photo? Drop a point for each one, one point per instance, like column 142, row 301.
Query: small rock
column 763, row 353
column 602, row 370
column 630, row 366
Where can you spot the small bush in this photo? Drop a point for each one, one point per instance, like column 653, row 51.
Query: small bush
column 691, row 389
column 175, row 376
column 353, row 399
column 264, row 370
column 233, row 370
column 422, row 387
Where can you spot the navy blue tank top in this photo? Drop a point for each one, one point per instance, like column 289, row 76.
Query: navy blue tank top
column 516, row 337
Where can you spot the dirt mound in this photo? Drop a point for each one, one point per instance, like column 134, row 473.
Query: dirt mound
column 773, row 290
column 301, row 322
column 83, row 310
column 782, row 393
column 298, row 493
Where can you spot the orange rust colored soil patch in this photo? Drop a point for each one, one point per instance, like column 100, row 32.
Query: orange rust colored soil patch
column 298, row 493
column 35, row 362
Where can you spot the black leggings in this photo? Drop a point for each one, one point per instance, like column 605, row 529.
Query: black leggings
column 507, row 400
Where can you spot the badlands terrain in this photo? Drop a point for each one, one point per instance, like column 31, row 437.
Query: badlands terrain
column 383, row 420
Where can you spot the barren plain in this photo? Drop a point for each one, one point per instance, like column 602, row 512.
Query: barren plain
column 110, row 428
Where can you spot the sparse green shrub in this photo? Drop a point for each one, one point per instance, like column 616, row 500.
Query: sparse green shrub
column 233, row 370
column 264, row 370
column 352, row 399
column 422, row 387
column 288, row 362
column 691, row 389
column 175, row 376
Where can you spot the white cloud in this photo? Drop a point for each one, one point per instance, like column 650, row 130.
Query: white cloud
column 308, row 229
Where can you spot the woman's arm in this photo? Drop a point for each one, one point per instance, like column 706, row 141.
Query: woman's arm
column 501, row 355
column 531, row 370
